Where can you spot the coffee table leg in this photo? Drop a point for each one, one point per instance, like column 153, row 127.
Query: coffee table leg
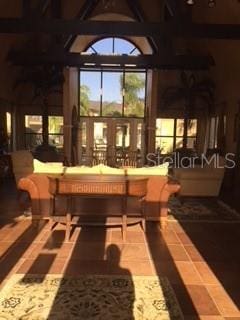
column 68, row 219
column 143, row 215
column 68, row 227
column 52, row 223
column 124, row 218
column 124, row 227
column 144, row 224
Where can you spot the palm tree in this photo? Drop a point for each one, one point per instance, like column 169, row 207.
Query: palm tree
column 190, row 91
column 133, row 85
column 84, row 100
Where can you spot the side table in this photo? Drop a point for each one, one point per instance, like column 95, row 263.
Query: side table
column 97, row 187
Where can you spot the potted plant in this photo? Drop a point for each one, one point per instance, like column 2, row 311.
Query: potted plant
column 190, row 91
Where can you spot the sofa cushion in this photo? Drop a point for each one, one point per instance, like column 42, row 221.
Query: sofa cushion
column 82, row 170
column 161, row 170
column 98, row 169
column 111, row 171
column 48, row 167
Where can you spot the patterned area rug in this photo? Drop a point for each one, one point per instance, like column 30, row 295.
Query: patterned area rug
column 35, row 297
column 203, row 209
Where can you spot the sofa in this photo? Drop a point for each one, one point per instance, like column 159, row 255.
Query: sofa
column 201, row 180
column 23, row 164
column 159, row 188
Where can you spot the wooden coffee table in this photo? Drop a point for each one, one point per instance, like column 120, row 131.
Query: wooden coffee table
column 97, row 187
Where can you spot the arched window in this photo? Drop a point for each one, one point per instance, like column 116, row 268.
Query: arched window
column 112, row 46
column 112, row 92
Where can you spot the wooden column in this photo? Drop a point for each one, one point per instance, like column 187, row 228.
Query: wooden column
column 236, row 171
column 19, row 128
column 45, row 113
column 2, row 117
column 152, row 104
column 70, row 98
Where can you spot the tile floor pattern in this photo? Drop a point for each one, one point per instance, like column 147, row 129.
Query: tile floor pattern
column 201, row 260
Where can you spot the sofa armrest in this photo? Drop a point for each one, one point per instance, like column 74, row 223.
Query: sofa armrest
column 29, row 186
column 173, row 186
column 37, row 187
column 173, row 180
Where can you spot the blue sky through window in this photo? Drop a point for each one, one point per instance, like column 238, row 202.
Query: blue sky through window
column 111, row 81
column 103, row 46
column 111, row 85
column 125, row 47
column 113, row 46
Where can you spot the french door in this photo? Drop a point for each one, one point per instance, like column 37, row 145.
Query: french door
column 110, row 141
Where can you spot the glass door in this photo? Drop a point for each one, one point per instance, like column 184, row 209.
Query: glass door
column 128, row 142
column 83, row 142
column 114, row 142
column 100, row 143
column 94, row 141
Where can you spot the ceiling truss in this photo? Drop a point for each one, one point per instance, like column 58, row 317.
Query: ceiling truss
column 139, row 15
column 174, row 28
column 83, row 14
column 132, row 62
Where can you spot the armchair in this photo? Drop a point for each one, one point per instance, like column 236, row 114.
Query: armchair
column 22, row 164
column 200, row 181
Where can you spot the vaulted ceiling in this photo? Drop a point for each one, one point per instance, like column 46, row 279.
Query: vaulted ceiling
column 36, row 31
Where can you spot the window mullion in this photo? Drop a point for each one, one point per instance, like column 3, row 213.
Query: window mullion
column 101, row 93
column 216, row 132
column 123, row 93
column 113, row 46
column 79, row 92
column 174, row 134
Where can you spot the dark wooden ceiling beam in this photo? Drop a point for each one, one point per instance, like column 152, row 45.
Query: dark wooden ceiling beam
column 141, row 61
column 173, row 7
column 86, row 9
column 115, row 28
column 56, row 9
column 42, row 6
column 56, row 13
column 26, row 8
column 79, row 27
column 212, row 31
column 84, row 13
column 139, row 15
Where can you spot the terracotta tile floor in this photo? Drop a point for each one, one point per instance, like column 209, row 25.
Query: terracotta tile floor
column 201, row 260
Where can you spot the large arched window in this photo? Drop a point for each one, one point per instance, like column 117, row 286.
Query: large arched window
column 113, row 46
column 112, row 92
